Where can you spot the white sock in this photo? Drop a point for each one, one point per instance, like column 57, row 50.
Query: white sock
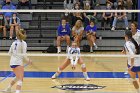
column 137, row 90
column 17, row 91
column 91, row 49
column 59, row 49
column 9, row 86
column 85, row 75
column 67, row 47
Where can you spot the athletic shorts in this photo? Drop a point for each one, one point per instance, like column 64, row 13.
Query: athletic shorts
column 14, row 66
column 135, row 68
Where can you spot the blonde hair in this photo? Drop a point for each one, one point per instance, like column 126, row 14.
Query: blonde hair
column 21, row 35
column 77, row 25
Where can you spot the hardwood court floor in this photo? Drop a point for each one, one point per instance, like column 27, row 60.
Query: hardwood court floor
column 50, row 64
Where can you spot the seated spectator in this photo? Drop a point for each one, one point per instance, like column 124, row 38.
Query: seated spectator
column 120, row 16
column 91, row 35
column 68, row 17
column 68, row 4
column 107, row 17
column 112, row 2
column 92, row 3
column 14, row 24
column 63, row 34
column 122, row 2
column 89, row 16
column 3, row 25
column 77, row 16
column 77, row 32
column 129, row 4
column 8, row 15
column 23, row 4
column 6, row 1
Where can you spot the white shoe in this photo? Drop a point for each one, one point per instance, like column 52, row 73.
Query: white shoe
column 7, row 90
column 54, row 76
column 58, row 50
column 91, row 51
column 127, row 28
column 126, row 72
column 87, row 79
column 113, row 28
column 95, row 46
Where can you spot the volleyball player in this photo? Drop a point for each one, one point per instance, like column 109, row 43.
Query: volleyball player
column 135, row 32
column 18, row 53
column 132, row 48
column 73, row 58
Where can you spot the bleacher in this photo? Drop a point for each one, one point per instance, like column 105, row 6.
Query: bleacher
column 41, row 29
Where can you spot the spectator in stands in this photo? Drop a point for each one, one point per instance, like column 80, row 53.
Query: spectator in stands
column 3, row 25
column 77, row 32
column 24, row 4
column 91, row 34
column 63, row 34
column 77, row 16
column 68, row 4
column 68, row 17
column 92, row 3
column 129, row 4
column 89, row 16
column 112, row 2
column 14, row 24
column 8, row 6
column 5, row 1
column 120, row 16
column 135, row 32
column 107, row 17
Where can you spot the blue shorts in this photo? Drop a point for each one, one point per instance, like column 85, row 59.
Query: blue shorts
column 135, row 69
column 14, row 66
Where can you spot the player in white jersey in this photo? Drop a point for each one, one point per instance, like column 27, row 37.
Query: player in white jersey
column 73, row 58
column 135, row 32
column 17, row 52
column 132, row 48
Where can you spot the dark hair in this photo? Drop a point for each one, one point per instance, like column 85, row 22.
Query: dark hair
column 135, row 23
column 129, row 35
column 92, row 20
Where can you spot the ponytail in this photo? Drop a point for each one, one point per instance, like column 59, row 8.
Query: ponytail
column 136, row 46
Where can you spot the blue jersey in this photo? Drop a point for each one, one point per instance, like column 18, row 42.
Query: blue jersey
column 91, row 29
column 64, row 30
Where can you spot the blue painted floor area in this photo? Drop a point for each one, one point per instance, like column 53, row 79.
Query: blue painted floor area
column 29, row 74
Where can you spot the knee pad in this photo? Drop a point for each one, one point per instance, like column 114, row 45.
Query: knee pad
column 19, row 83
column 133, row 79
column 83, row 66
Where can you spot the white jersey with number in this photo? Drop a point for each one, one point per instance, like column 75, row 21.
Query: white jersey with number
column 130, row 50
column 137, row 37
column 73, row 53
column 17, row 52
